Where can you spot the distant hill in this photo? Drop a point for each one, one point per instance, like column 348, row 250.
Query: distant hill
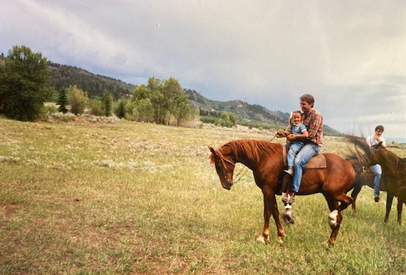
column 245, row 112
column 95, row 85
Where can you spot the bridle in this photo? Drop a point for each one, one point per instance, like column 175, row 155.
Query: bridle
column 223, row 159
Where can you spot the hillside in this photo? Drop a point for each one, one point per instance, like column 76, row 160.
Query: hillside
column 95, row 85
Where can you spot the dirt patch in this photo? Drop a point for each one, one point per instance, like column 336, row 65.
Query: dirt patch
column 8, row 211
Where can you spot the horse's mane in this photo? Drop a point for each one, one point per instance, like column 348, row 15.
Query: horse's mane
column 363, row 152
column 360, row 150
column 253, row 149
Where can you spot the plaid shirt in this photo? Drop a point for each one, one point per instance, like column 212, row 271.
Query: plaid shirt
column 314, row 124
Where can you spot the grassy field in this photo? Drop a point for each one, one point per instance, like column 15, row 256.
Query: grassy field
column 132, row 198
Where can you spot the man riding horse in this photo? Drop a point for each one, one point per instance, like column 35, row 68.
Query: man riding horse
column 313, row 121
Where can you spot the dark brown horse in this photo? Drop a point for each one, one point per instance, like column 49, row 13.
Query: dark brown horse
column 265, row 159
column 364, row 176
column 393, row 173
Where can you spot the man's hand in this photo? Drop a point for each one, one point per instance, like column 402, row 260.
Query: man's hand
column 280, row 134
column 377, row 146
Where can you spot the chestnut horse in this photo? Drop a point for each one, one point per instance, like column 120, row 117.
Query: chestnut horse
column 265, row 159
column 393, row 173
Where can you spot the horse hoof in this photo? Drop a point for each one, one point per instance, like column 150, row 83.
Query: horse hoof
column 261, row 240
column 288, row 217
column 328, row 244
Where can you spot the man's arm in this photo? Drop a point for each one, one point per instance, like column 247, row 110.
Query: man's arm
column 317, row 123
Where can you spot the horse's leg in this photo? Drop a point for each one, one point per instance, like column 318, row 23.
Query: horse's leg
column 345, row 201
column 270, row 208
column 275, row 214
column 400, row 207
column 389, row 200
column 335, row 218
column 354, row 194
column 267, row 214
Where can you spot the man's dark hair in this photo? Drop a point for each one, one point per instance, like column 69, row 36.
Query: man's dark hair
column 308, row 98
column 379, row 127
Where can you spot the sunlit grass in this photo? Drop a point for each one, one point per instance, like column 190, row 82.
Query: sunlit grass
column 129, row 198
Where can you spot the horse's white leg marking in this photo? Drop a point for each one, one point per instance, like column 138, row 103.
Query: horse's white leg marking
column 332, row 218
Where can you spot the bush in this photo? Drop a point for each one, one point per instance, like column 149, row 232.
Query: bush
column 96, row 107
column 77, row 100
column 226, row 120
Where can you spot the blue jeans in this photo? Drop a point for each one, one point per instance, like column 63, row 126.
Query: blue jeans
column 304, row 155
column 377, row 180
column 293, row 150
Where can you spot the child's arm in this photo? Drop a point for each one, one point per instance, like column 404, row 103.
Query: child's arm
column 303, row 135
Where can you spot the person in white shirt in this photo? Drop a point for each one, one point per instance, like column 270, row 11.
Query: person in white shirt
column 375, row 139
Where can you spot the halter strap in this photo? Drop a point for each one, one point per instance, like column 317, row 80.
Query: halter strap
column 233, row 164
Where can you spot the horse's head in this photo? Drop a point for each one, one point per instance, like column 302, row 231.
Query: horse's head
column 365, row 155
column 377, row 155
column 225, row 164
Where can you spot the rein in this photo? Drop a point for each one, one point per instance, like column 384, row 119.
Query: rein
column 238, row 179
column 273, row 137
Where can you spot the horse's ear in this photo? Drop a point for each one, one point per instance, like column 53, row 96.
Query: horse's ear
column 212, row 150
column 213, row 154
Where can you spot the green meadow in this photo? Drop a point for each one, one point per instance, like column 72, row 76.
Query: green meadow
column 133, row 198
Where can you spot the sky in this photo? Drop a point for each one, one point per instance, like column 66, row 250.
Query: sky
column 350, row 55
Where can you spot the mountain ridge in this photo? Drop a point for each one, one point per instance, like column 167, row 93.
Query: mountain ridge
column 95, row 85
column 245, row 112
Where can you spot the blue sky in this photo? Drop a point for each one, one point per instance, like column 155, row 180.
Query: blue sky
column 351, row 55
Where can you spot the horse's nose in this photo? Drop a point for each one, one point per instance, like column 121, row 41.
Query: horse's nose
column 227, row 184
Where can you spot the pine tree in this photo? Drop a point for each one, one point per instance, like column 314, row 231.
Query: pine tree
column 107, row 102
column 63, row 101
column 120, row 112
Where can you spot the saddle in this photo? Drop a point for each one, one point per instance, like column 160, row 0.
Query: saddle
column 318, row 161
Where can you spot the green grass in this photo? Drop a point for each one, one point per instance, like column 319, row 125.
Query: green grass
column 133, row 198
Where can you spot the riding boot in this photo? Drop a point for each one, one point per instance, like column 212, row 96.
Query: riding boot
column 289, row 171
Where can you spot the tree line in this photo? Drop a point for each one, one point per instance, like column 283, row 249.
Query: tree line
column 25, row 87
